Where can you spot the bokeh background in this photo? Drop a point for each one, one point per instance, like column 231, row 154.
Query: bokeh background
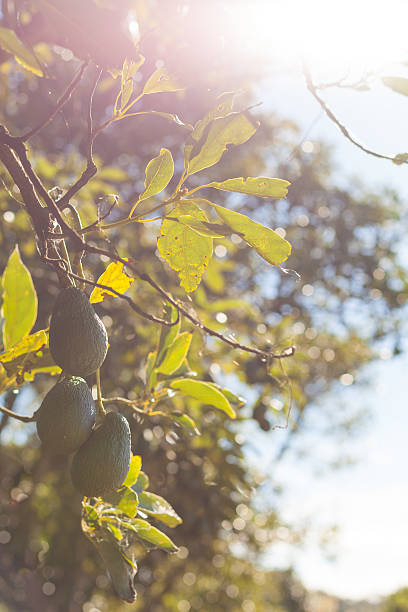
column 308, row 517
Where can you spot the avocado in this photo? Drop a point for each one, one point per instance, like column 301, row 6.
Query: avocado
column 120, row 571
column 101, row 464
column 66, row 416
column 78, row 338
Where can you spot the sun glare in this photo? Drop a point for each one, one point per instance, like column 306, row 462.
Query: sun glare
column 331, row 36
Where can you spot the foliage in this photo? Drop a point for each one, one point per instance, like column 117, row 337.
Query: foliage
column 168, row 378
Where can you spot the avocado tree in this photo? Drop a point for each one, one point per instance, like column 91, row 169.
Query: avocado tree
column 120, row 191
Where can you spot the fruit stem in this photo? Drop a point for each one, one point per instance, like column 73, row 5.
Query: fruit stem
column 25, row 419
column 99, row 401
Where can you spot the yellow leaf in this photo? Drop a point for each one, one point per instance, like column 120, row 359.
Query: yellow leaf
column 113, row 277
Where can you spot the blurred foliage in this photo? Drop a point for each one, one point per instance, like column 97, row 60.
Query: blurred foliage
column 345, row 309
column 397, row 602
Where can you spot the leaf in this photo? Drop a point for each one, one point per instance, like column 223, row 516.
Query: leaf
column 161, row 81
column 113, row 277
column 270, row 246
column 204, row 392
column 159, row 508
column 168, row 334
column 175, row 354
column 184, row 250
column 128, row 72
column 187, row 422
column 29, row 344
column 19, row 300
column 400, row 158
column 129, row 502
column 222, row 108
column 10, row 42
column 232, row 397
column 159, row 172
column 141, row 483
column 260, row 186
column 397, row 84
column 151, row 534
column 234, row 129
column 213, row 230
column 133, row 473
column 116, row 532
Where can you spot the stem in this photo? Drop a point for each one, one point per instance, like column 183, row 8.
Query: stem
column 196, row 189
column 99, row 401
column 19, row 417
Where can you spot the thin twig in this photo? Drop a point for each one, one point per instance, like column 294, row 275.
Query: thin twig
column 60, row 103
column 99, row 400
column 19, row 417
column 312, row 88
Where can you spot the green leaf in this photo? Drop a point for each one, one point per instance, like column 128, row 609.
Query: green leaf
column 129, row 502
column 161, row 81
column 234, row 129
column 187, row 422
column 400, row 158
column 184, row 250
column 204, row 392
column 175, row 354
column 212, row 230
column 158, row 174
column 232, row 397
column 133, row 473
column 151, row 534
column 141, row 483
column 222, row 108
column 168, row 334
column 159, row 508
column 397, row 84
column 128, row 72
column 10, row 42
column 261, row 186
column 19, row 301
column 116, row 532
column 272, row 247
column 114, row 277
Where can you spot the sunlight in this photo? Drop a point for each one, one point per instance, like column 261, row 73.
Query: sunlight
column 354, row 35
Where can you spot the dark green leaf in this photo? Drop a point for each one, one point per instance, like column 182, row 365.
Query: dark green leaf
column 205, row 392
column 159, row 508
column 141, row 483
column 19, row 301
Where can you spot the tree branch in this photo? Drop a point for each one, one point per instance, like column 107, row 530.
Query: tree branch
column 313, row 90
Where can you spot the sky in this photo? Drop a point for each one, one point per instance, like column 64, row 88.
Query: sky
column 368, row 501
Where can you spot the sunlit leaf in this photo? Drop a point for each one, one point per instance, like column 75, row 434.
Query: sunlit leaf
column 233, row 129
column 397, row 84
column 168, row 334
column 175, row 354
column 272, row 247
column 129, row 502
column 184, row 250
column 10, row 42
column 159, row 172
column 114, row 277
column 141, row 483
column 151, row 534
column 116, row 532
column 159, row 508
column 134, row 469
column 19, row 300
column 259, row 186
column 222, row 108
column 187, row 422
column 204, row 392
column 161, row 81
column 128, row 72
column 213, row 230
column 28, row 344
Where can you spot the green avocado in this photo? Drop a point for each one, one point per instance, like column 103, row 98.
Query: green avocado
column 78, row 338
column 121, row 572
column 66, row 416
column 101, row 464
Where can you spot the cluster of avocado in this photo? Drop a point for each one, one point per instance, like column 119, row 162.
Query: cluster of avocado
column 66, row 418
